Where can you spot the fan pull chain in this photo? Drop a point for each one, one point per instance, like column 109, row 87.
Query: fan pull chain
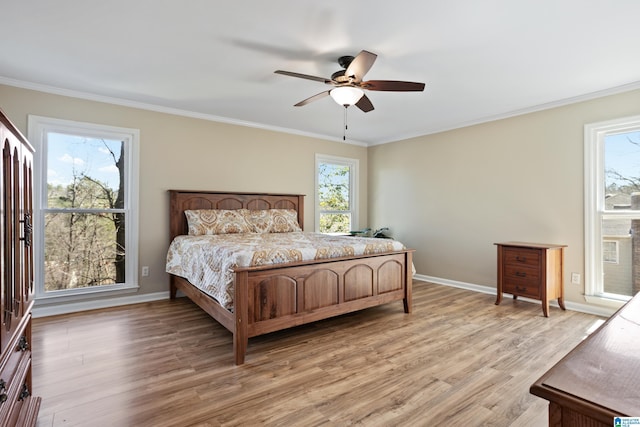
column 344, row 132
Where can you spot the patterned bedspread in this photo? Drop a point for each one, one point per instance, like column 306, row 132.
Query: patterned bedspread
column 208, row 261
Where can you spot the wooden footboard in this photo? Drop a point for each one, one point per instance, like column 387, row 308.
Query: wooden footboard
column 271, row 299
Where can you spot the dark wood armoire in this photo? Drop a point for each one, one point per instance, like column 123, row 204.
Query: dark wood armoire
column 17, row 406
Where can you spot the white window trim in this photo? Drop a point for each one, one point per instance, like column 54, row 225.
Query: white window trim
column 594, row 137
column 38, row 127
column 353, row 187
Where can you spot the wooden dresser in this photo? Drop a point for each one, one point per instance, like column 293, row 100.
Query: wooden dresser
column 17, row 406
column 600, row 378
column 532, row 270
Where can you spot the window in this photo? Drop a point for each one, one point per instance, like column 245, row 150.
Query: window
column 612, row 209
column 85, row 207
column 336, row 194
column 610, row 251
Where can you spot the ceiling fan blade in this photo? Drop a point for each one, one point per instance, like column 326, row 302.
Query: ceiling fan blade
column 392, row 86
column 364, row 104
column 360, row 65
column 304, row 76
column 312, row 98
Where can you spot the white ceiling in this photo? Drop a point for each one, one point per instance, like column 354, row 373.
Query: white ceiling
column 480, row 59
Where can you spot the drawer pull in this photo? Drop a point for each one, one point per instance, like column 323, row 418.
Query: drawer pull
column 521, row 274
column 24, row 393
column 519, row 289
column 23, row 344
column 521, row 258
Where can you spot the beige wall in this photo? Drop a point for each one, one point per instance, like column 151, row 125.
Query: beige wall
column 185, row 153
column 452, row 195
column 449, row 195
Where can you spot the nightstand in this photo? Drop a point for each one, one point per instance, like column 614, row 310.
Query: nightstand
column 532, row 270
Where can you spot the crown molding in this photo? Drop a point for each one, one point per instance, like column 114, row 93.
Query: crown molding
column 514, row 113
column 168, row 110
column 220, row 119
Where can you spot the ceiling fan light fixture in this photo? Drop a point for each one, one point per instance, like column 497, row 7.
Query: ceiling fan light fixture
column 346, row 95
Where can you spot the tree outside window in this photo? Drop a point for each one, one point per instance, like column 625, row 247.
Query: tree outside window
column 84, row 219
column 335, row 194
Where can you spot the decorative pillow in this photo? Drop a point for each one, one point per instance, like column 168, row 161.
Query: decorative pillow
column 273, row 220
column 284, row 221
column 260, row 220
column 217, row 221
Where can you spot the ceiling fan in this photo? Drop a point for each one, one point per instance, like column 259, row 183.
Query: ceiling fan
column 349, row 86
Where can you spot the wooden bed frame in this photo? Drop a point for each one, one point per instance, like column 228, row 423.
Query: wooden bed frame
column 275, row 297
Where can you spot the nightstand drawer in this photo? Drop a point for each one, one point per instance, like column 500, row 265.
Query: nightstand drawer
column 530, row 290
column 521, row 256
column 521, row 274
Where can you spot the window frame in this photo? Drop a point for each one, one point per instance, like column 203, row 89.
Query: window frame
column 38, row 128
column 594, row 206
column 353, row 188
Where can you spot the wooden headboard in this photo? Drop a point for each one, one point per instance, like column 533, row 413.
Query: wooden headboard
column 182, row 200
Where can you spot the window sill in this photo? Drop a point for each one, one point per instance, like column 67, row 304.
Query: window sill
column 605, row 301
column 55, row 297
column 54, row 307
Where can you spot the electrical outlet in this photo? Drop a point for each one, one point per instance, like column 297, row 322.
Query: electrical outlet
column 575, row 278
column 145, row 271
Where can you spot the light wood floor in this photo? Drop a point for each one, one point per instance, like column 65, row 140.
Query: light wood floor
column 457, row 360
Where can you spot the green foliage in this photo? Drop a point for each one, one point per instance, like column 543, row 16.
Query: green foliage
column 335, row 223
column 333, row 189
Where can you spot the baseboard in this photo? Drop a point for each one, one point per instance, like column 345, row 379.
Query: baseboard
column 53, row 310
column 570, row 305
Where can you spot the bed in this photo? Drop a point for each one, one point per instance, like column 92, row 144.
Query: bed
column 270, row 297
